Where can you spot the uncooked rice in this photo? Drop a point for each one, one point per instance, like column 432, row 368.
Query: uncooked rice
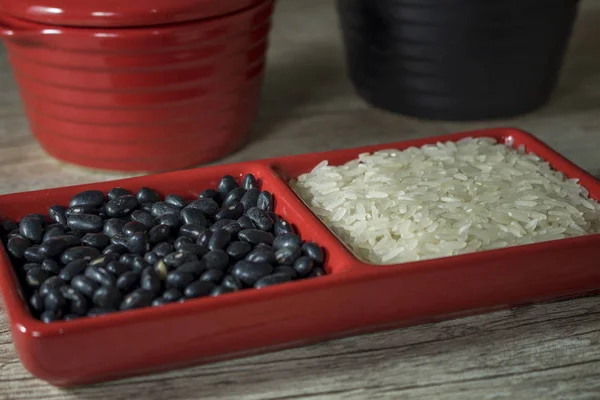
column 450, row 198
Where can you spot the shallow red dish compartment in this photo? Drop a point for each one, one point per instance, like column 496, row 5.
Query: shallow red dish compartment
column 354, row 297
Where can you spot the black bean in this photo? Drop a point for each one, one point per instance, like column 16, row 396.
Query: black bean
column 8, row 226
column 101, row 276
column 146, row 207
column 84, row 285
column 282, row 227
column 313, row 251
column 72, row 269
column 214, row 276
column 50, row 316
column 87, row 198
column 115, row 249
column 78, row 304
column 232, row 283
column 194, row 249
column 198, row 289
column 75, row 253
column 150, row 281
column 137, row 299
column 219, row 240
column 117, row 192
column 117, row 267
column 234, row 196
column 160, row 301
column 138, row 243
column 52, row 283
column 316, row 272
column 121, row 206
column 128, row 281
column 162, row 249
column 249, row 182
column 262, row 254
column 134, row 227
column 261, row 218
column 113, row 227
column 36, row 301
column 138, row 263
column 119, row 239
column 265, row 201
column 226, row 185
column 32, row 229
column 57, row 214
column 162, row 208
column 178, row 280
column 216, row 259
column 286, row 269
column 172, row 295
column 127, row 259
column 175, row 200
column 54, row 300
column 178, row 258
column 103, row 260
column 256, row 236
column 171, row 220
column 287, row 255
column 71, row 240
column 191, row 230
column 79, row 210
column 248, row 272
column 250, row 198
column 17, row 245
column 52, row 233
column 195, row 268
column 147, row 195
column 221, row 224
column 159, row 233
column 97, row 240
column 52, row 247
column 33, row 254
column 151, row 257
column 204, row 238
column 231, row 211
column 85, row 223
column 71, row 317
column 51, row 266
column 27, row 266
column 220, row 290
column 143, row 217
column 107, row 297
column 208, row 206
column 182, row 240
column 304, row 266
column 209, row 194
column 238, row 249
column 272, row 279
column 193, row 216
column 96, row 312
column 287, row 240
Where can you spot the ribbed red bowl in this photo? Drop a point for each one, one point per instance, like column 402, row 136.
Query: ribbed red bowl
column 143, row 98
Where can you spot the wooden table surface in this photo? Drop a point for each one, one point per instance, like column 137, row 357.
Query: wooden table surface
column 549, row 351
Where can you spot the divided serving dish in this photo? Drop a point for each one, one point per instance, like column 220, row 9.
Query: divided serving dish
column 354, row 297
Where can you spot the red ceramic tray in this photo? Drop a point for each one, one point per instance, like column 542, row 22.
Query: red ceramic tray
column 353, row 298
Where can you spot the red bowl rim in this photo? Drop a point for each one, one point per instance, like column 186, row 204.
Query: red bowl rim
column 133, row 13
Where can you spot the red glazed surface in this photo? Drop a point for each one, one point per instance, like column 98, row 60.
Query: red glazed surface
column 141, row 99
column 119, row 13
column 354, row 298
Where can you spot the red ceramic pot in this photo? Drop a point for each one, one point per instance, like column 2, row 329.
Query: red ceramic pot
column 152, row 98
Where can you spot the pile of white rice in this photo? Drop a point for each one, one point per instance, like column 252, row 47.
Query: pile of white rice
column 450, row 198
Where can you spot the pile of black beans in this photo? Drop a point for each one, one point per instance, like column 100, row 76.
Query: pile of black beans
column 121, row 251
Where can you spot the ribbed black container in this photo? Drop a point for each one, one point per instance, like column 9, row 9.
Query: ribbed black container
column 456, row 59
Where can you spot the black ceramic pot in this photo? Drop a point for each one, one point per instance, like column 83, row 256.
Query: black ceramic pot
column 456, row 59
